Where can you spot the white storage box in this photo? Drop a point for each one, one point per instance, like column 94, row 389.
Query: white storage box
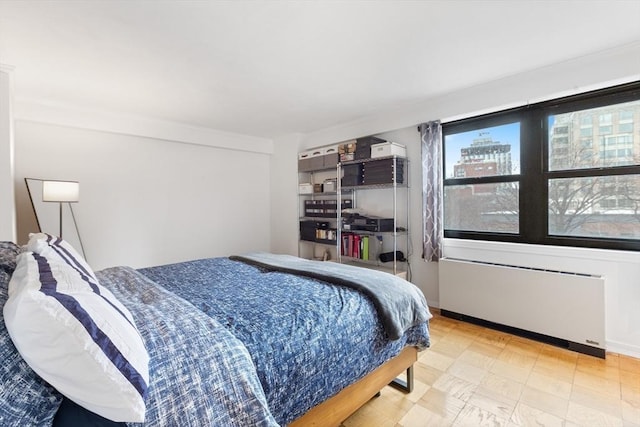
column 333, row 149
column 305, row 188
column 329, row 186
column 386, row 149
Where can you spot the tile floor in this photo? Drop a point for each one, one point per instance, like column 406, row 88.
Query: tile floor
column 474, row 376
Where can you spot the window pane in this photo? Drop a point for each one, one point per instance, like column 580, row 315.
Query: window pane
column 606, row 207
column 625, row 128
column 482, row 207
column 483, row 152
column 613, row 140
column 586, row 131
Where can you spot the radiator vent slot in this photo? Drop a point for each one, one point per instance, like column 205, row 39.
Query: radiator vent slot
column 497, row 264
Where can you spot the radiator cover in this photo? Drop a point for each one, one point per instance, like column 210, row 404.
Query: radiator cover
column 560, row 305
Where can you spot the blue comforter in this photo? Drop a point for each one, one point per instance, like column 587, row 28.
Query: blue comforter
column 399, row 304
column 199, row 372
column 308, row 339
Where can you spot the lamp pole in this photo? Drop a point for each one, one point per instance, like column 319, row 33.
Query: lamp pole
column 60, row 203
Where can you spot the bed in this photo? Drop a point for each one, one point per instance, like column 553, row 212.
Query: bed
column 255, row 340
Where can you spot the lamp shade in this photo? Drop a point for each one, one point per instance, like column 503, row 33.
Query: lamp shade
column 60, row 191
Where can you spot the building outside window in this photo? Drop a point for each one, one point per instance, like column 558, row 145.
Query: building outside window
column 483, row 206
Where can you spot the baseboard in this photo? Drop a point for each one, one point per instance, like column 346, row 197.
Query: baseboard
column 622, row 348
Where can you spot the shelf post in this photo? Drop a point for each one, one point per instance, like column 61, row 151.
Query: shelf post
column 339, row 212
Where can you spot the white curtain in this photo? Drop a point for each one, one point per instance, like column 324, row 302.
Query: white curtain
column 431, row 136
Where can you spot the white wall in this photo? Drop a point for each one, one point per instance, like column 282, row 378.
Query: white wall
column 147, row 201
column 578, row 75
column 284, row 207
column 7, row 204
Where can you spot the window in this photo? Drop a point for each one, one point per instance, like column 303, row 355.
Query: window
column 605, row 123
column 625, row 127
column 471, row 153
column 561, row 129
column 600, row 207
column 586, row 131
column 563, row 172
column 485, row 162
column 482, row 207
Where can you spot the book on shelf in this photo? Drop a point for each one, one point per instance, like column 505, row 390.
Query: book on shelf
column 365, row 248
column 355, row 246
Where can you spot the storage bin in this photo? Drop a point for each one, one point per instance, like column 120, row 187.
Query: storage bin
column 363, row 146
column 386, row 149
column 330, row 157
column 311, row 160
column 308, row 229
column 347, row 151
column 329, row 186
column 382, row 171
column 305, row 188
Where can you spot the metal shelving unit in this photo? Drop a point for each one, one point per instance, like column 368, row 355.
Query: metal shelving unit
column 399, row 238
column 311, row 248
column 321, row 164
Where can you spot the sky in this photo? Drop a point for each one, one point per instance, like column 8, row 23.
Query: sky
column 505, row 134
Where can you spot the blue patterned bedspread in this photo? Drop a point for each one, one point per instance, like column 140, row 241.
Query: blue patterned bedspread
column 200, row 374
column 399, row 304
column 308, row 339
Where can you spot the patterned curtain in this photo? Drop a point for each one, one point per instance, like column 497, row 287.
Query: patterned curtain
column 431, row 136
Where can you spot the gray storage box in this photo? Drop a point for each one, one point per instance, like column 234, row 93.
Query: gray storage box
column 310, row 160
column 330, row 157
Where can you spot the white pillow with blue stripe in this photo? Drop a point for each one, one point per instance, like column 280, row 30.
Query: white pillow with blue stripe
column 75, row 334
column 55, row 248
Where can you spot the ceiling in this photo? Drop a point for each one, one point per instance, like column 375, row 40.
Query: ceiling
column 271, row 68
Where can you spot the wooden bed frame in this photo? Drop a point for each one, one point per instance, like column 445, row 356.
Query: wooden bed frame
column 333, row 411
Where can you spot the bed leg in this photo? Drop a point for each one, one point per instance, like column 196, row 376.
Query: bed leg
column 406, row 386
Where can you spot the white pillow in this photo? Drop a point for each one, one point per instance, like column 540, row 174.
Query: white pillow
column 77, row 336
column 59, row 251
column 55, row 248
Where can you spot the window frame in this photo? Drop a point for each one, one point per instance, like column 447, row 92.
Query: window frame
column 535, row 176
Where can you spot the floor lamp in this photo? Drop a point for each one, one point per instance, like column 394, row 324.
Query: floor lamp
column 61, row 192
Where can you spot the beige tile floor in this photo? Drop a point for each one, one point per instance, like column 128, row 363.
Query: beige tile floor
column 474, row 376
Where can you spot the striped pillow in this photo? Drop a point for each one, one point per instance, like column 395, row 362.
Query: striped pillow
column 55, row 248
column 76, row 335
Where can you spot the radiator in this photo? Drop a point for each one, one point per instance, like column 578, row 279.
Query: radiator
column 560, row 305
